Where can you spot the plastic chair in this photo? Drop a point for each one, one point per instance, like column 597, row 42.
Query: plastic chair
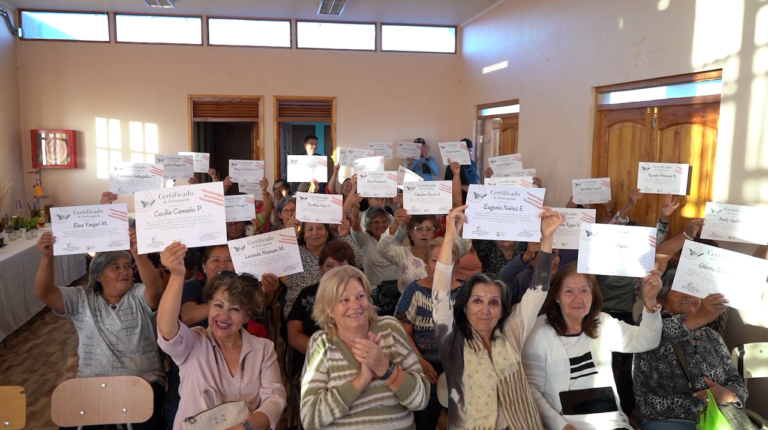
column 13, row 407
column 751, row 361
column 102, row 400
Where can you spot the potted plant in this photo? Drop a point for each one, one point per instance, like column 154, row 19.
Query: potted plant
column 31, row 226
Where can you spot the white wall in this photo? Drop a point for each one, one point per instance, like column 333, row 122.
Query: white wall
column 11, row 172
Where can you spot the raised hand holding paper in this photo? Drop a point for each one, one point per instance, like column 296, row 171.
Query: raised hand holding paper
column 591, row 191
column 515, row 173
column 455, row 151
column 427, row 197
column 506, row 163
column 377, row 184
column 517, row 181
column 320, row 208
column 567, row 235
column 176, row 166
column 200, row 161
column 304, row 168
column 369, row 164
column 735, row 223
column 191, row 214
column 503, row 213
column 347, row 156
column 246, row 170
column 408, row 149
column 129, row 178
column 405, row 175
column 705, row 270
column 616, row 250
column 663, row 178
column 96, row 228
column 241, row 207
column 382, row 149
column 276, row 253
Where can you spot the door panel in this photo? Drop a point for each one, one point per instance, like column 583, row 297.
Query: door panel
column 508, row 135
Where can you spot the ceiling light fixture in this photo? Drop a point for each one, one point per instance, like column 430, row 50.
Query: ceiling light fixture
column 159, row 3
column 331, row 7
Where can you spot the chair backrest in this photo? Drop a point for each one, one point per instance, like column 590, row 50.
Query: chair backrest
column 13, row 407
column 751, row 359
column 102, row 400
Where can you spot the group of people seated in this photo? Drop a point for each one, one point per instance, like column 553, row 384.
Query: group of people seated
column 390, row 303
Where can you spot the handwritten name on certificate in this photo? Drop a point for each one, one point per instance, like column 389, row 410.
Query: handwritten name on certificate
column 241, row 207
column 382, row 149
column 427, row 197
column 128, row 178
column 516, row 181
column 734, row 223
column 347, row 156
column 705, row 270
column 591, row 191
column 406, row 175
column 505, row 163
column 304, row 168
column 96, row 228
column 616, row 250
column 176, row 166
column 503, row 213
column 191, row 214
column 276, row 253
column 377, row 184
column 320, row 208
column 454, row 151
column 408, row 149
column 663, row 178
column 200, row 161
column 531, row 171
column 369, row 164
column 246, row 171
column 567, row 235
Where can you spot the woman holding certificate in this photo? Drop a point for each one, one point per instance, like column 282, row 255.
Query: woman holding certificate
column 224, row 357
column 568, row 356
column 480, row 338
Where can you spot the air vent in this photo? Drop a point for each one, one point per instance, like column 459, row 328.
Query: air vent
column 159, row 3
column 331, row 7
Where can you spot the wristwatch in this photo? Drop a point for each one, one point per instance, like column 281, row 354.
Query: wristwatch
column 247, row 425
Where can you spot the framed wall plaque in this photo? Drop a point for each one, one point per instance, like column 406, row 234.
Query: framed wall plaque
column 54, row 149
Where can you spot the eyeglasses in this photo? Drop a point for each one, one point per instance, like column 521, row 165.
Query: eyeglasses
column 288, row 211
column 421, row 229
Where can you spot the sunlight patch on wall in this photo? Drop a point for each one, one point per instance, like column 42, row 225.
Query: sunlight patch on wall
column 724, row 149
column 109, row 149
column 710, row 45
column 761, row 26
column 757, row 139
column 494, row 67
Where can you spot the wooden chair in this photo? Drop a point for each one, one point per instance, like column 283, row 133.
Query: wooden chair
column 102, row 400
column 13, row 407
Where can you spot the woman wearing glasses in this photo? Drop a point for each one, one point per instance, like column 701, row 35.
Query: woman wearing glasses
column 286, row 213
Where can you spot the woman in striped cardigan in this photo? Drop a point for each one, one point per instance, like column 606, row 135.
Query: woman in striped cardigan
column 360, row 371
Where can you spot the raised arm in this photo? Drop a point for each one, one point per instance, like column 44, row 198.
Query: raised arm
column 389, row 247
column 623, row 216
column 628, row 338
column 334, row 181
column 442, row 308
column 456, row 183
column 153, row 283
column 264, row 215
column 45, row 290
column 170, row 304
column 107, row 197
column 666, row 250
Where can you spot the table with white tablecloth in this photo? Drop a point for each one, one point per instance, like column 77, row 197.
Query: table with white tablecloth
column 19, row 261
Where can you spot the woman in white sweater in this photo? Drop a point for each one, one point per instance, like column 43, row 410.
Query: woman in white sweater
column 567, row 357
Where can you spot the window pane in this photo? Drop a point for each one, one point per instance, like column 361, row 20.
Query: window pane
column 418, row 39
column 327, row 35
column 690, row 89
column 159, row 29
column 243, row 32
column 500, row 110
column 92, row 27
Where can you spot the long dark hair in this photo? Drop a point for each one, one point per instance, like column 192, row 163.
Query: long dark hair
column 465, row 293
column 551, row 308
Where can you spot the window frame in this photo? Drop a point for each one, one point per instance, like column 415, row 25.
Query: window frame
column 203, row 29
column 455, row 40
column 19, row 19
column 239, row 18
column 375, row 35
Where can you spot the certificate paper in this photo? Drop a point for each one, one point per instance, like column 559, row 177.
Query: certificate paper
column 591, row 191
column 191, row 214
column 304, row 168
column 276, row 253
column 663, row 178
column 369, row 164
column 504, row 213
column 518, row 181
column 377, row 184
column 405, row 175
column 200, row 161
column 517, row 172
column 616, row 250
column 455, row 151
column 320, row 208
column 129, row 178
column 241, row 207
column 733, row 223
column 427, row 197
column 347, row 156
column 382, row 149
column 705, row 270
column 567, row 235
column 408, row 149
column 96, row 228
column 246, row 170
column 506, row 163
column 176, row 166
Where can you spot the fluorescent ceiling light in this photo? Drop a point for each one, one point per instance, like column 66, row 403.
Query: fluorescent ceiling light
column 159, row 3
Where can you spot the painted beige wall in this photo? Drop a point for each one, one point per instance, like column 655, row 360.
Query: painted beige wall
column 380, row 97
column 559, row 50
column 11, row 172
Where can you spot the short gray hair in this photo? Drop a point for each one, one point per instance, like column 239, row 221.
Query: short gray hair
column 100, row 262
column 375, row 211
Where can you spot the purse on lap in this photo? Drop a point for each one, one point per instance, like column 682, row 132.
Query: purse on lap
column 218, row 417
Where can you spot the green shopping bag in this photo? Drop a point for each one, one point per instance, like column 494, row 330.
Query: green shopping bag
column 712, row 418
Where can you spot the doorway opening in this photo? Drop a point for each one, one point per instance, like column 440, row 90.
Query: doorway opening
column 297, row 118
column 497, row 126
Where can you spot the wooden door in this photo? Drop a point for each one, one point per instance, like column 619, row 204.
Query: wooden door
column 508, row 135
